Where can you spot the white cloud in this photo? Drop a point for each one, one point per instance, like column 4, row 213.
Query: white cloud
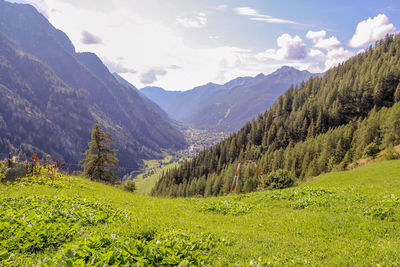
column 336, row 56
column 316, row 53
column 320, row 41
column 290, row 48
column 335, row 52
column 315, row 68
column 371, row 30
column 274, row 20
column 118, row 66
column 257, row 16
column 329, row 43
column 360, row 51
column 316, row 36
column 198, row 21
column 89, row 38
column 247, row 11
column 152, row 75
column 221, row 7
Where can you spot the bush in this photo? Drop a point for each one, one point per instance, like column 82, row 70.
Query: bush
column 371, row 150
column 390, row 153
column 130, row 186
column 14, row 173
column 3, row 170
column 280, row 179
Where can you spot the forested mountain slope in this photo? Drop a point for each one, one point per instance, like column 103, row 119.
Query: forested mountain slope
column 38, row 111
column 326, row 122
column 67, row 92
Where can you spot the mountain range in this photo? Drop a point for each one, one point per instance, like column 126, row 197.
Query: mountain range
column 51, row 96
column 226, row 107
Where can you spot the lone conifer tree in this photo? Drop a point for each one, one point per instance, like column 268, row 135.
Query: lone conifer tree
column 100, row 162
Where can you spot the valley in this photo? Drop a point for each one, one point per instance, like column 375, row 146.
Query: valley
column 196, row 133
column 198, row 140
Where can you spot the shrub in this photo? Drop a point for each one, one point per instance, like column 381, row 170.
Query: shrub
column 3, row 169
column 280, row 179
column 130, row 186
column 390, row 153
column 371, row 150
column 345, row 162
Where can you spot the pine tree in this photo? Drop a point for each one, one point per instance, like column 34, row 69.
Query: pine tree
column 397, row 93
column 100, row 162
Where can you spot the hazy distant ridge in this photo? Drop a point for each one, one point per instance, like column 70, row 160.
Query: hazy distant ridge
column 229, row 106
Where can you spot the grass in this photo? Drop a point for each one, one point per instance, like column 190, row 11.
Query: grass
column 343, row 218
column 144, row 185
column 379, row 174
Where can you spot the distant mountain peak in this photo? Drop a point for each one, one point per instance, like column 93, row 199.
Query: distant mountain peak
column 286, row 69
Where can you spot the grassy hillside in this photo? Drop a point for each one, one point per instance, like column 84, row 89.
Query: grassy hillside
column 342, row 218
column 154, row 169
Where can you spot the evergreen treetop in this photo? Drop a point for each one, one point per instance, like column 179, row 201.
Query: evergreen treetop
column 100, row 162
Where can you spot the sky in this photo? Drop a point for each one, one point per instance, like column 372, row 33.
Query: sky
column 180, row 44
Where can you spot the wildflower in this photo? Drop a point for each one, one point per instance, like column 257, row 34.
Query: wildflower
column 34, row 158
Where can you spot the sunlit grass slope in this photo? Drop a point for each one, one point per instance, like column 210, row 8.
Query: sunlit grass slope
column 343, row 218
column 145, row 184
column 380, row 174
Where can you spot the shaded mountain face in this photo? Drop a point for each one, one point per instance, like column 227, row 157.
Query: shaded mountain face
column 160, row 96
column 60, row 94
column 38, row 111
column 149, row 102
column 229, row 106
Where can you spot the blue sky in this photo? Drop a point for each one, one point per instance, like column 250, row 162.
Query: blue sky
column 179, row 44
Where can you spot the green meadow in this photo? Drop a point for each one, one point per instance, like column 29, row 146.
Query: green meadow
column 153, row 171
column 347, row 218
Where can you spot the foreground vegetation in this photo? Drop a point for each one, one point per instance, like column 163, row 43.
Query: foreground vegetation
column 342, row 218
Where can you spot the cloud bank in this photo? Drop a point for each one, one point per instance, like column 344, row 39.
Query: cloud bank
column 371, row 30
column 334, row 54
column 290, row 48
column 200, row 20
